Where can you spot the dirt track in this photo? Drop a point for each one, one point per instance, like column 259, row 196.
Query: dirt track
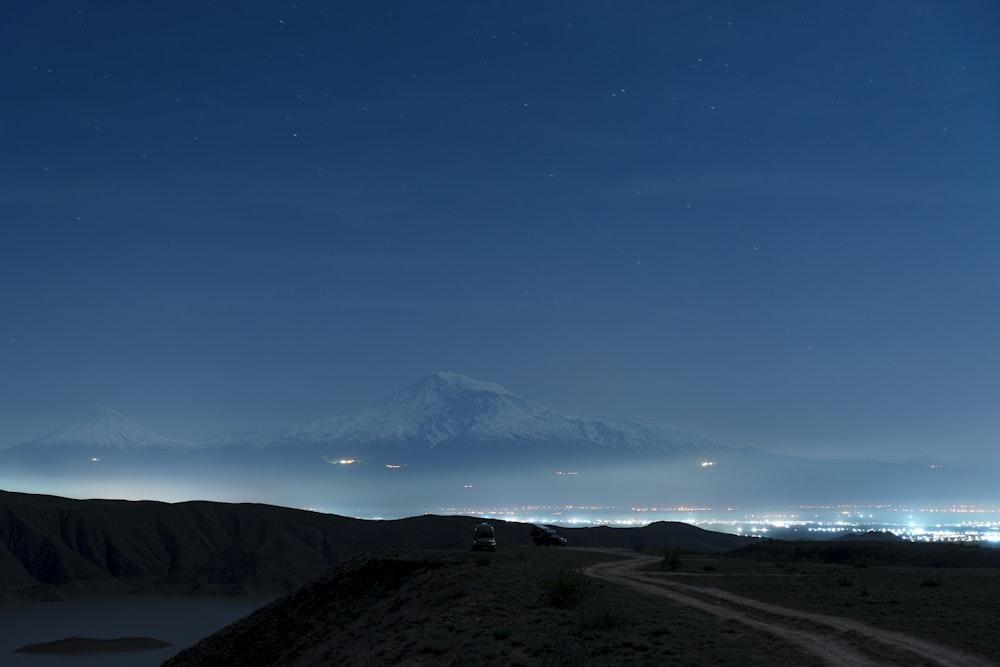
column 836, row 640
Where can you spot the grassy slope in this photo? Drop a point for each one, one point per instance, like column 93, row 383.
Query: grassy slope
column 945, row 593
column 458, row 608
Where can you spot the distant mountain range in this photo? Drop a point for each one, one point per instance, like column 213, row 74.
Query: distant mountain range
column 441, row 413
column 453, row 413
column 449, row 440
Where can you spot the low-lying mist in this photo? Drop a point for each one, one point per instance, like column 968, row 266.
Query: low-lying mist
column 368, row 488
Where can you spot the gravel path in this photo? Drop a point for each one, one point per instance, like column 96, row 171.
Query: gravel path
column 836, row 640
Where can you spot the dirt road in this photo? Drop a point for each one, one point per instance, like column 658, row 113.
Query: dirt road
column 836, row 640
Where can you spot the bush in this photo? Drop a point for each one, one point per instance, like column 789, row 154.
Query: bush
column 605, row 619
column 671, row 559
column 566, row 589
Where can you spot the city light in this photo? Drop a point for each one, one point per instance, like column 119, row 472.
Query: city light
column 341, row 462
column 925, row 524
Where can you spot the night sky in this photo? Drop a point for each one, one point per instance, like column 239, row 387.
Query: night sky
column 773, row 224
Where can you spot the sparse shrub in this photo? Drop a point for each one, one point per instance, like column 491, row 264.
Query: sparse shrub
column 671, row 559
column 445, row 596
column 709, row 567
column 434, row 646
column 501, row 634
column 483, row 561
column 566, row 589
column 845, row 582
column 637, row 644
column 605, row 619
column 930, row 583
column 864, row 592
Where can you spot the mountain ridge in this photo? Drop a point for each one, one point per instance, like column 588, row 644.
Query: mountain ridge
column 104, row 428
column 448, row 441
column 447, row 410
column 440, row 411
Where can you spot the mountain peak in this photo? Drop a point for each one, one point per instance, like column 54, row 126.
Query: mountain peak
column 442, row 380
column 106, row 428
column 436, row 408
column 461, row 414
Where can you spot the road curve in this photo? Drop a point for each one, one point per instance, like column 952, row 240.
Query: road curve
column 838, row 641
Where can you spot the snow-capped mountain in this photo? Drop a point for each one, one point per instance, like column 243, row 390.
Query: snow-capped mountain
column 450, row 411
column 103, row 428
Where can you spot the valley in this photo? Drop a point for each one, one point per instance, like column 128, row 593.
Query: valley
column 451, row 444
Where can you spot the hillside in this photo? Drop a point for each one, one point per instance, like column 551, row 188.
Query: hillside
column 527, row 606
column 871, row 552
column 524, row 606
column 53, row 547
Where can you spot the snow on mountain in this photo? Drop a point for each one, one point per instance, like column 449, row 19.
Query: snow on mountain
column 107, row 429
column 447, row 409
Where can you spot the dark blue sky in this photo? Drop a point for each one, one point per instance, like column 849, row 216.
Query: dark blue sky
column 771, row 224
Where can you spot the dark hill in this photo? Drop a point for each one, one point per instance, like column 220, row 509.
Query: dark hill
column 53, row 547
column 872, row 552
column 871, row 536
column 655, row 537
column 50, row 544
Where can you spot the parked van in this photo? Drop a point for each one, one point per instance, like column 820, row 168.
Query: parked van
column 484, row 538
